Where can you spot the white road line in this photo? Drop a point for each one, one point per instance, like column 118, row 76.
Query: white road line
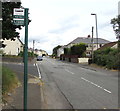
column 38, row 71
column 69, row 71
column 96, row 85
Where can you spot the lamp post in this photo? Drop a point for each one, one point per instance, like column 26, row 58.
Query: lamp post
column 96, row 28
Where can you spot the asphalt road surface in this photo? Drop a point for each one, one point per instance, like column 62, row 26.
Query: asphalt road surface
column 74, row 86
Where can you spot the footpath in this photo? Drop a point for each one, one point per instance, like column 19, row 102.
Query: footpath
column 16, row 98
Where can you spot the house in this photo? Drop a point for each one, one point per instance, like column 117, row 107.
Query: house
column 87, row 41
column 109, row 45
column 12, row 47
column 40, row 52
column 61, row 50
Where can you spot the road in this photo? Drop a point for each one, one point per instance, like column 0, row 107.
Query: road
column 73, row 86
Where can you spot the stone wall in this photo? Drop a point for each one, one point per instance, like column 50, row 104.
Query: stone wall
column 15, row 59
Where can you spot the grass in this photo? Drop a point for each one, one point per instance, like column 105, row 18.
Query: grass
column 9, row 80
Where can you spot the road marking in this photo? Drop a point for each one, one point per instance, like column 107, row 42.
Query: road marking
column 96, row 85
column 69, row 71
column 38, row 71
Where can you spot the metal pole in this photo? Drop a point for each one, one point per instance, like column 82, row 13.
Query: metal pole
column 26, row 59
column 92, row 44
column 96, row 30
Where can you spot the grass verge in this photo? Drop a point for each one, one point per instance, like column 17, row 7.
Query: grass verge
column 9, row 81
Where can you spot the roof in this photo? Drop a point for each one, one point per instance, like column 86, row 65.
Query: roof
column 111, row 44
column 20, row 41
column 87, row 40
column 63, row 47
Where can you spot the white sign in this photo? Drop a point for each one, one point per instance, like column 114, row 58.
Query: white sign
column 18, row 16
column 18, row 11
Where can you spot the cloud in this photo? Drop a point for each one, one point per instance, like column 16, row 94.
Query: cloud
column 58, row 22
column 64, row 28
column 104, row 25
column 66, row 24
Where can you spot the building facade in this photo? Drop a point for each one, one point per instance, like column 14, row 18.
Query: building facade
column 87, row 41
column 13, row 47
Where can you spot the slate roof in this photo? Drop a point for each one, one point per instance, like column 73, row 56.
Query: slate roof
column 111, row 44
column 88, row 40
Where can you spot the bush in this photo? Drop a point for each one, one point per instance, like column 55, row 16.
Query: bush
column 78, row 49
column 67, row 51
column 107, row 57
column 30, row 54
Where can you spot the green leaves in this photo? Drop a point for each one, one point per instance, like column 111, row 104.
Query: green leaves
column 8, row 29
column 55, row 50
column 107, row 57
column 116, row 25
column 78, row 49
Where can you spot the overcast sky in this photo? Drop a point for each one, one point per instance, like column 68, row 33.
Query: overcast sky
column 58, row 22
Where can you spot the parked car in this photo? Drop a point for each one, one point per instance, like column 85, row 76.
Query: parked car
column 39, row 58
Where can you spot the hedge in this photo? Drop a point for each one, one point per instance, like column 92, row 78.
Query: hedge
column 108, row 57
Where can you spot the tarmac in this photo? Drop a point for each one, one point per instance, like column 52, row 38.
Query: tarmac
column 35, row 94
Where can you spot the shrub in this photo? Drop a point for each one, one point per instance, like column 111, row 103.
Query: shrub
column 67, row 51
column 107, row 57
column 30, row 54
column 78, row 49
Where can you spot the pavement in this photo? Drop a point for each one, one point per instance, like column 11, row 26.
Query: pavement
column 16, row 98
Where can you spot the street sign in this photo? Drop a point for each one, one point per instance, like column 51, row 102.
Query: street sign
column 18, row 22
column 18, row 11
column 18, row 16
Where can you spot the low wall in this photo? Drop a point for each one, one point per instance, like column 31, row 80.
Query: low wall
column 15, row 59
column 83, row 60
column 74, row 60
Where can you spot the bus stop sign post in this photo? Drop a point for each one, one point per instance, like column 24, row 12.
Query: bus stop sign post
column 20, row 17
column 26, row 59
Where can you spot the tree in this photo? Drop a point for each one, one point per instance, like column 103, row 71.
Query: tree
column 116, row 26
column 8, row 29
column 78, row 49
column 55, row 50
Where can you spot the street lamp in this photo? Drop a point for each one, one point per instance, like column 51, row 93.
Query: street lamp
column 96, row 28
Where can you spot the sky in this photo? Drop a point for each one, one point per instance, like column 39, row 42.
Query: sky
column 58, row 22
